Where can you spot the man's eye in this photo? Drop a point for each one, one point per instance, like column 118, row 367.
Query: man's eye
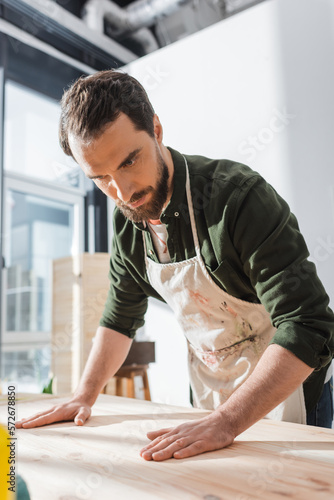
column 129, row 163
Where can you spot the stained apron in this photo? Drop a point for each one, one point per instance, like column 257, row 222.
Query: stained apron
column 226, row 336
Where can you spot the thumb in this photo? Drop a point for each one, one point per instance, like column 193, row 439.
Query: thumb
column 81, row 416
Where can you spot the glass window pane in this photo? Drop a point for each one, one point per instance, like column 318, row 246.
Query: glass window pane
column 38, row 230
column 31, row 137
column 28, row 368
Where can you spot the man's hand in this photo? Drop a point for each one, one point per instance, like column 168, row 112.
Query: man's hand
column 189, row 439
column 277, row 375
column 72, row 410
column 109, row 350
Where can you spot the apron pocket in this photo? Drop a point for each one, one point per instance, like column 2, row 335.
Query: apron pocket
column 227, row 277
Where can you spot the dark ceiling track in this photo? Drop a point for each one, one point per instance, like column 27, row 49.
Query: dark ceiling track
column 42, row 23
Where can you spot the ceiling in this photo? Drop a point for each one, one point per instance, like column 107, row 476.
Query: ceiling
column 110, row 33
column 188, row 17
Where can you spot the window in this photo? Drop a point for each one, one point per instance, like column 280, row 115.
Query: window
column 43, row 212
column 38, row 228
column 31, row 138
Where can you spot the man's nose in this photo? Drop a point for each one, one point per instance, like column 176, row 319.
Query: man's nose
column 123, row 189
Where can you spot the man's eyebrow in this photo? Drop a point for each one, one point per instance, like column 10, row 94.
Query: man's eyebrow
column 128, row 158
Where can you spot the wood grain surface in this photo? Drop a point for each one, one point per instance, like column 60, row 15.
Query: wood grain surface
column 100, row 461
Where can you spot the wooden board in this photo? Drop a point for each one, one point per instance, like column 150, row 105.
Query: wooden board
column 271, row 460
column 80, row 289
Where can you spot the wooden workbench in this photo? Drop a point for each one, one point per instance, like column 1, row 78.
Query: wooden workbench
column 101, row 461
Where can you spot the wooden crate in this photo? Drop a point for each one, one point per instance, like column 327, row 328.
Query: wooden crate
column 80, row 288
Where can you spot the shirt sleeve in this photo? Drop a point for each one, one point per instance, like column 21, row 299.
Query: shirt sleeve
column 126, row 303
column 274, row 256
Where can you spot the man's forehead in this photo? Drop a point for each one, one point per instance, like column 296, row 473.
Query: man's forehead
column 117, row 132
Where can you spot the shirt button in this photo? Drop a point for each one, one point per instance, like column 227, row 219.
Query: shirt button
column 151, row 252
column 176, row 214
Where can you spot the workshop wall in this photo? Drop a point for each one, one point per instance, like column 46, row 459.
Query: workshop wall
column 255, row 88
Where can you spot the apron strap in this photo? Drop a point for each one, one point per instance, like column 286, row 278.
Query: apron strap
column 191, row 216
column 191, row 212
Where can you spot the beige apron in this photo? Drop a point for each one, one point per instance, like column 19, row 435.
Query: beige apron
column 226, row 336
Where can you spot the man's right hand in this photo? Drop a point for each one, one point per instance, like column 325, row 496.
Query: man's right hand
column 108, row 353
column 72, row 410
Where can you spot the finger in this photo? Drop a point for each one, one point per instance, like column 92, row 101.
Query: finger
column 193, row 449
column 55, row 414
column 49, row 418
column 19, row 423
column 154, row 434
column 158, row 444
column 157, row 437
column 82, row 416
column 164, row 448
column 39, row 414
column 168, row 452
column 157, row 440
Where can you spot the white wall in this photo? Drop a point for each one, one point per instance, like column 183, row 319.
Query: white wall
column 257, row 88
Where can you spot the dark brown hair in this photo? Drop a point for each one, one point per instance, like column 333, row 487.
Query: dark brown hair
column 95, row 101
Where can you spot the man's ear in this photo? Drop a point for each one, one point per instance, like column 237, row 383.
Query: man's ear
column 158, row 132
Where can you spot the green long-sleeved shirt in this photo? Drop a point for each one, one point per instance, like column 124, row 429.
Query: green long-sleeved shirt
column 251, row 245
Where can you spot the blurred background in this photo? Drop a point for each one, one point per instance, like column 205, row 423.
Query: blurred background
column 248, row 81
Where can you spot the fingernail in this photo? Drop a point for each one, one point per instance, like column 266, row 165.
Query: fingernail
column 79, row 421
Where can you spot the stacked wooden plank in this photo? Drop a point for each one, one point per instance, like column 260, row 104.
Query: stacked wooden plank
column 80, row 287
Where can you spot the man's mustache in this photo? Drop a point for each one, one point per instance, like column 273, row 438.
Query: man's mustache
column 136, row 197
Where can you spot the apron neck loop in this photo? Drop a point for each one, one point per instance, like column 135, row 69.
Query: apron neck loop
column 191, row 211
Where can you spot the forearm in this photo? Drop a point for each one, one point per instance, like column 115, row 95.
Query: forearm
column 277, row 375
column 107, row 355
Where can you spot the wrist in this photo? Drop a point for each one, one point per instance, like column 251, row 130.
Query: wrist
column 226, row 420
column 84, row 398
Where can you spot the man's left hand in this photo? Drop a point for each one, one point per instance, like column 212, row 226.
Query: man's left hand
column 189, row 439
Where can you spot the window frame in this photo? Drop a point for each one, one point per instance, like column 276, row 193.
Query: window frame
column 11, row 37
column 55, row 193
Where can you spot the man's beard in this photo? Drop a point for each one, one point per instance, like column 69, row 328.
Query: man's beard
column 151, row 210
